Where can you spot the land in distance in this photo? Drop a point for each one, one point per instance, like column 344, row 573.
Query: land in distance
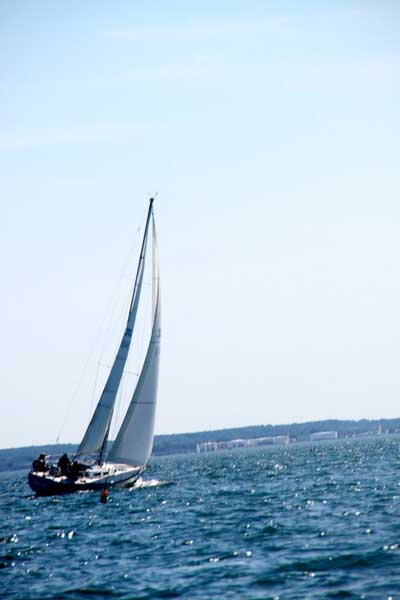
column 21, row 458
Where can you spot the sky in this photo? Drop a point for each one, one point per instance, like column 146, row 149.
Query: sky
column 270, row 131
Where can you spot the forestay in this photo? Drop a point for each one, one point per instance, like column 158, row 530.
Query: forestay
column 96, row 434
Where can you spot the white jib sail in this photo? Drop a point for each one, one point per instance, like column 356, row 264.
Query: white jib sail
column 134, row 442
column 99, row 425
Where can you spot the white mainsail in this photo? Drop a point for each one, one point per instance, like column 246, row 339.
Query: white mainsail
column 134, row 442
column 95, row 438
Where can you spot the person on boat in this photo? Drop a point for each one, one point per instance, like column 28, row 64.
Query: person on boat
column 64, row 464
column 39, row 464
column 77, row 469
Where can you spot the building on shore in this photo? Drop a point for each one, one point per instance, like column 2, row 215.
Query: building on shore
column 323, row 435
column 242, row 443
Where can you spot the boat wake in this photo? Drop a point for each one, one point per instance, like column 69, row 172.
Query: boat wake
column 146, row 483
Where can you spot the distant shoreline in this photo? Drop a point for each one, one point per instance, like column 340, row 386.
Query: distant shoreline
column 180, row 443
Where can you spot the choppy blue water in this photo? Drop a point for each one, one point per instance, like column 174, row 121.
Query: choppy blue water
column 300, row 522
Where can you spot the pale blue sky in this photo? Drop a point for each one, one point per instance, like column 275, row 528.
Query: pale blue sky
column 271, row 132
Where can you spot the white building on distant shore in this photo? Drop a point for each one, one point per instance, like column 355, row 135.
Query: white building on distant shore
column 242, row 443
column 323, row 435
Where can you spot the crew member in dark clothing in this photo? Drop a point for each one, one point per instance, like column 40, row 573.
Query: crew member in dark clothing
column 77, row 469
column 39, row 464
column 64, row 464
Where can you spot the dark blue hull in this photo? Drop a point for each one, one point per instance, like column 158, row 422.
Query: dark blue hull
column 45, row 485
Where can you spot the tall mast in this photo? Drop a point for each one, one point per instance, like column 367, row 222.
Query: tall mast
column 142, row 251
column 135, row 287
column 134, row 441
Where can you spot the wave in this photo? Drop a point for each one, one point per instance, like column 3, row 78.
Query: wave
column 146, row 483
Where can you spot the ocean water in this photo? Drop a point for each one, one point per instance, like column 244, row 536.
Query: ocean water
column 306, row 521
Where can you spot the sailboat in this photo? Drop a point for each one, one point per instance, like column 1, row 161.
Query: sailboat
column 93, row 468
